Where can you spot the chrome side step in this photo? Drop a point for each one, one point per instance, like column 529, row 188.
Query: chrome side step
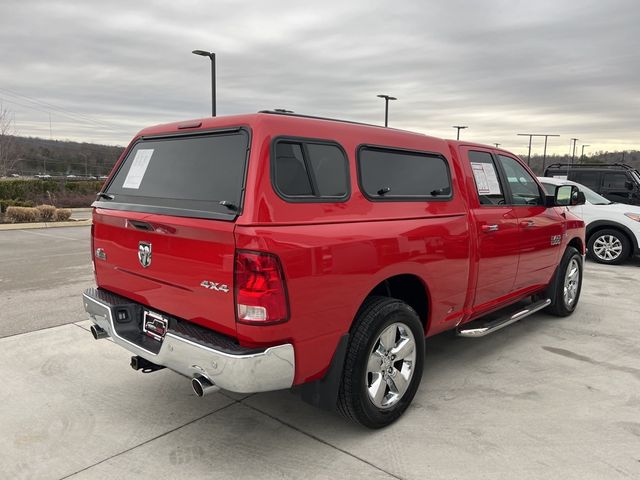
column 502, row 322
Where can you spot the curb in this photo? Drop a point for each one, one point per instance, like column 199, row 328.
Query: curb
column 30, row 226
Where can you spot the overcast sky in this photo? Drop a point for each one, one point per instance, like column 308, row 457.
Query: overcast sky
column 103, row 70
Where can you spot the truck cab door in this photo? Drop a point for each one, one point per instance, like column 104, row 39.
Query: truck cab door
column 496, row 228
column 540, row 229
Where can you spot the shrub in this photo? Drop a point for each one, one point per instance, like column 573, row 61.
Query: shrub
column 21, row 214
column 4, row 204
column 62, row 214
column 39, row 190
column 73, row 200
column 46, row 212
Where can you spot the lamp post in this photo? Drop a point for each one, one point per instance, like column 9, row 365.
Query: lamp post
column 546, row 137
column 386, row 107
column 212, row 57
column 458, row 128
column 582, row 154
column 497, row 144
column 573, row 155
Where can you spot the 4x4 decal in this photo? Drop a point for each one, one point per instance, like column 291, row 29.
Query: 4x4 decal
column 215, row 286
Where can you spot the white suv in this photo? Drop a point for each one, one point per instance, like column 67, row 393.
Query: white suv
column 613, row 229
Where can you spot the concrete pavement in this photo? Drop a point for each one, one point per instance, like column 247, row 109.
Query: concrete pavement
column 544, row 398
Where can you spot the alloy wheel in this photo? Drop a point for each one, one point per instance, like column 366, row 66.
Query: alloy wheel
column 571, row 282
column 607, row 247
column 390, row 365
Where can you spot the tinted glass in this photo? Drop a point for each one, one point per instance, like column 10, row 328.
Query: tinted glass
column 486, row 177
column 290, row 171
column 549, row 188
column 524, row 189
column 391, row 173
column 314, row 170
column 329, row 167
column 184, row 173
column 588, row 179
column 614, row 181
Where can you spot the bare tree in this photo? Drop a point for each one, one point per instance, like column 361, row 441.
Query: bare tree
column 8, row 153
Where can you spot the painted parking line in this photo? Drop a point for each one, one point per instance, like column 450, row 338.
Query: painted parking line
column 49, row 235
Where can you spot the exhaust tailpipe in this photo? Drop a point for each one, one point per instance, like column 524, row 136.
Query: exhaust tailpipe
column 98, row 332
column 203, row 386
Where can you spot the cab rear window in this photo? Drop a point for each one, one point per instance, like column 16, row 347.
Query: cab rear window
column 198, row 175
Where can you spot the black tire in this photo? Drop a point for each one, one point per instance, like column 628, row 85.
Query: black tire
column 377, row 315
column 560, row 306
column 609, row 256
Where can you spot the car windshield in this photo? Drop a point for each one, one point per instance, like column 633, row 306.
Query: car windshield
column 589, row 195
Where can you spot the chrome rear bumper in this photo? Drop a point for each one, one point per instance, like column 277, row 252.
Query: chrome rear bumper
column 243, row 371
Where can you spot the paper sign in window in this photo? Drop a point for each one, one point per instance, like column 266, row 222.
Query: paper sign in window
column 138, row 168
column 486, row 178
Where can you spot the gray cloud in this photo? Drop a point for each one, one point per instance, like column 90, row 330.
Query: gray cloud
column 501, row 67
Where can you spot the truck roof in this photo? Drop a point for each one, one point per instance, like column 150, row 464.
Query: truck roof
column 284, row 119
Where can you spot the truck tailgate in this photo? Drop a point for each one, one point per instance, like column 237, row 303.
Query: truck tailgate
column 188, row 274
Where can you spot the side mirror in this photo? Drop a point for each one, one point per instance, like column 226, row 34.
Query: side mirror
column 628, row 185
column 568, row 196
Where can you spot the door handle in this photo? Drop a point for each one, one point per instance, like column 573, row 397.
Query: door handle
column 489, row 228
column 528, row 224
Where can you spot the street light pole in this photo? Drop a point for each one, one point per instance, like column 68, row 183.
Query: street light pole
column 530, row 135
column 544, row 156
column 546, row 136
column 386, row 107
column 458, row 128
column 582, row 154
column 573, row 155
column 212, row 57
column 497, row 144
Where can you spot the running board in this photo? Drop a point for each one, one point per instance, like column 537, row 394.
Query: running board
column 502, row 322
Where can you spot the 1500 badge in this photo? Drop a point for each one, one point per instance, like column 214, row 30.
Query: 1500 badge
column 556, row 239
column 218, row 287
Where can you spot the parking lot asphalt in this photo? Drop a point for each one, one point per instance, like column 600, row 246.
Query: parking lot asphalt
column 543, row 398
column 41, row 273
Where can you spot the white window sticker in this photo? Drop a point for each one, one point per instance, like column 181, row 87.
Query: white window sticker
column 486, row 178
column 560, row 177
column 138, row 168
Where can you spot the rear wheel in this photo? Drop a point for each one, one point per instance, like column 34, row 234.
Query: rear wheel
column 568, row 284
column 609, row 246
column 383, row 367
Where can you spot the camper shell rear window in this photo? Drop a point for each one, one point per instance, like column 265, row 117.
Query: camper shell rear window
column 198, row 175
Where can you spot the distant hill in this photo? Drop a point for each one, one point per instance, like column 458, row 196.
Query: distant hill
column 55, row 157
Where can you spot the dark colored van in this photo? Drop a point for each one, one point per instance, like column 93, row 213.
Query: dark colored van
column 617, row 182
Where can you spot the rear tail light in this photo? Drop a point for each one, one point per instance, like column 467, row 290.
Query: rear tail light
column 93, row 254
column 260, row 291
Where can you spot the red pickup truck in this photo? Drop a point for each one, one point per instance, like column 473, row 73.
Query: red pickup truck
column 274, row 251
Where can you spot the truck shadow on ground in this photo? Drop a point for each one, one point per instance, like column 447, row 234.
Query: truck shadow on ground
column 447, row 357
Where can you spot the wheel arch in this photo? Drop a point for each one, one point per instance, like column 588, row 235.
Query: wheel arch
column 578, row 244
column 409, row 288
